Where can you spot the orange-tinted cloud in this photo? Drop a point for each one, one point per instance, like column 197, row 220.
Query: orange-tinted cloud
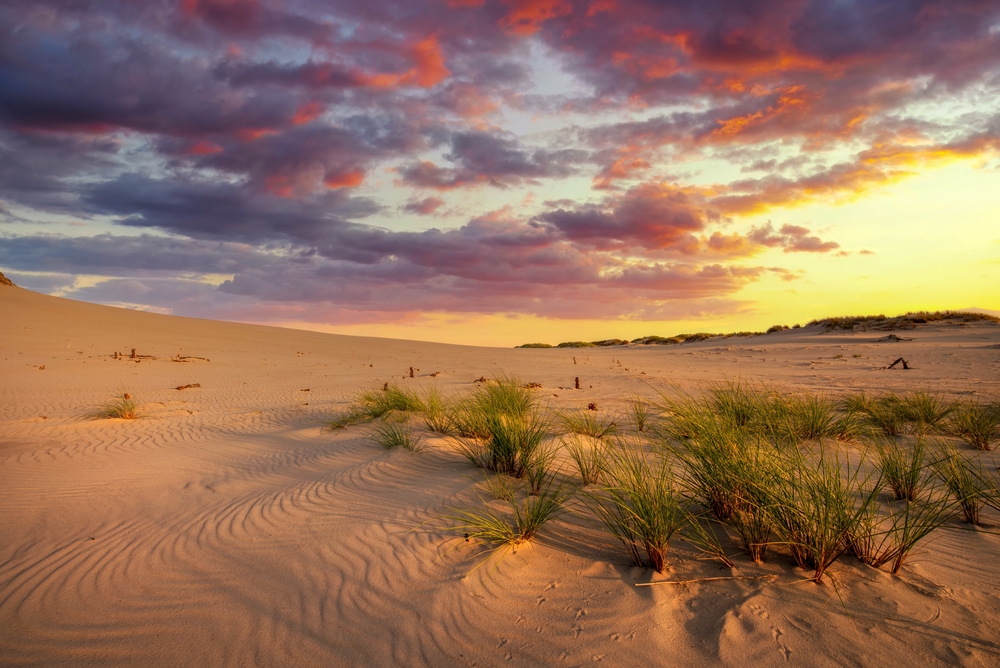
column 307, row 112
column 348, row 179
column 526, row 17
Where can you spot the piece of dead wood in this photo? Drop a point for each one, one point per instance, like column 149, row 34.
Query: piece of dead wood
column 185, row 358
column 892, row 338
column 905, row 365
column 576, row 382
column 434, row 375
column 532, row 386
column 305, row 390
column 592, row 406
column 187, row 387
column 729, row 577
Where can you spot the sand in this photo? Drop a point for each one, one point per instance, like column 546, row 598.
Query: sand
column 226, row 527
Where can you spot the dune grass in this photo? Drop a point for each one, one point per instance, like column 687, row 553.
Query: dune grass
column 902, row 469
column 588, row 423
column 976, row 423
column 817, row 507
column 393, row 433
column 501, row 486
column 589, row 455
column 887, row 534
column 517, row 523
column 501, row 427
column 436, row 413
column 966, row 479
column 121, row 407
column 376, row 403
column 641, row 505
column 639, row 414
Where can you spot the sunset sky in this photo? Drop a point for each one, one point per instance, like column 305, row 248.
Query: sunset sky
column 494, row 172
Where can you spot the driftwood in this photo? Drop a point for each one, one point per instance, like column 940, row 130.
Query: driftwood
column 411, row 372
column 730, row 577
column 592, row 406
column 187, row 387
column 184, row 358
column 905, row 365
column 577, row 383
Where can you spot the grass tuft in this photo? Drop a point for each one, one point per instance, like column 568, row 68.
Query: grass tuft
column 588, row 423
column 518, row 523
column 122, row 407
column 975, row 423
column 640, row 505
column 902, row 470
column 589, row 456
column 966, row 480
column 391, row 433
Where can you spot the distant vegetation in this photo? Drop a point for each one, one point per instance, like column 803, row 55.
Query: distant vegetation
column 859, row 322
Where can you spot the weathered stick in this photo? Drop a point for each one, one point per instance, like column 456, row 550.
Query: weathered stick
column 905, row 365
column 680, row 582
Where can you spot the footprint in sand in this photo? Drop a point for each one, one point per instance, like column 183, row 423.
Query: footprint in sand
column 776, row 633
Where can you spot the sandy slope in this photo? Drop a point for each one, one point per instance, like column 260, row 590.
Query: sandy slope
column 225, row 528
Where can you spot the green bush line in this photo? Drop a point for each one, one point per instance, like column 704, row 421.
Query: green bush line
column 861, row 322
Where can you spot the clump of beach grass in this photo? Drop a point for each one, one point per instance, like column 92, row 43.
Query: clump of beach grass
column 639, row 415
column 436, row 411
column 926, row 411
column 589, row 455
column 641, row 505
column 376, row 403
column 393, row 433
column 588, row 423
column 121, row 407
column 817, row 507
column 888, row 536
column 501, row 427
column 967, row 481
column 517, row 523
column 976, row 423
column 902, row 469
column 501, row 486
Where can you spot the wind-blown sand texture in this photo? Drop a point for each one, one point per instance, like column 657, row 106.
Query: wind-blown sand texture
column 225, row 527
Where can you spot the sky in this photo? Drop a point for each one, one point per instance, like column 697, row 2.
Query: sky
column 495, row 172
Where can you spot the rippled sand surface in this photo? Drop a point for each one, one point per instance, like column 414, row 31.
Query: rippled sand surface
column 225, row 527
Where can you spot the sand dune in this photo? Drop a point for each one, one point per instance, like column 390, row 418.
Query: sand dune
column 225, row 527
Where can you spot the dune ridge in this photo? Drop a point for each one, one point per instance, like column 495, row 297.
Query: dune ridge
column 226, row 527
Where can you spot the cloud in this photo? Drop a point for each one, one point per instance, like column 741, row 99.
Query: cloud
column 249, row 138
column 792, row 238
